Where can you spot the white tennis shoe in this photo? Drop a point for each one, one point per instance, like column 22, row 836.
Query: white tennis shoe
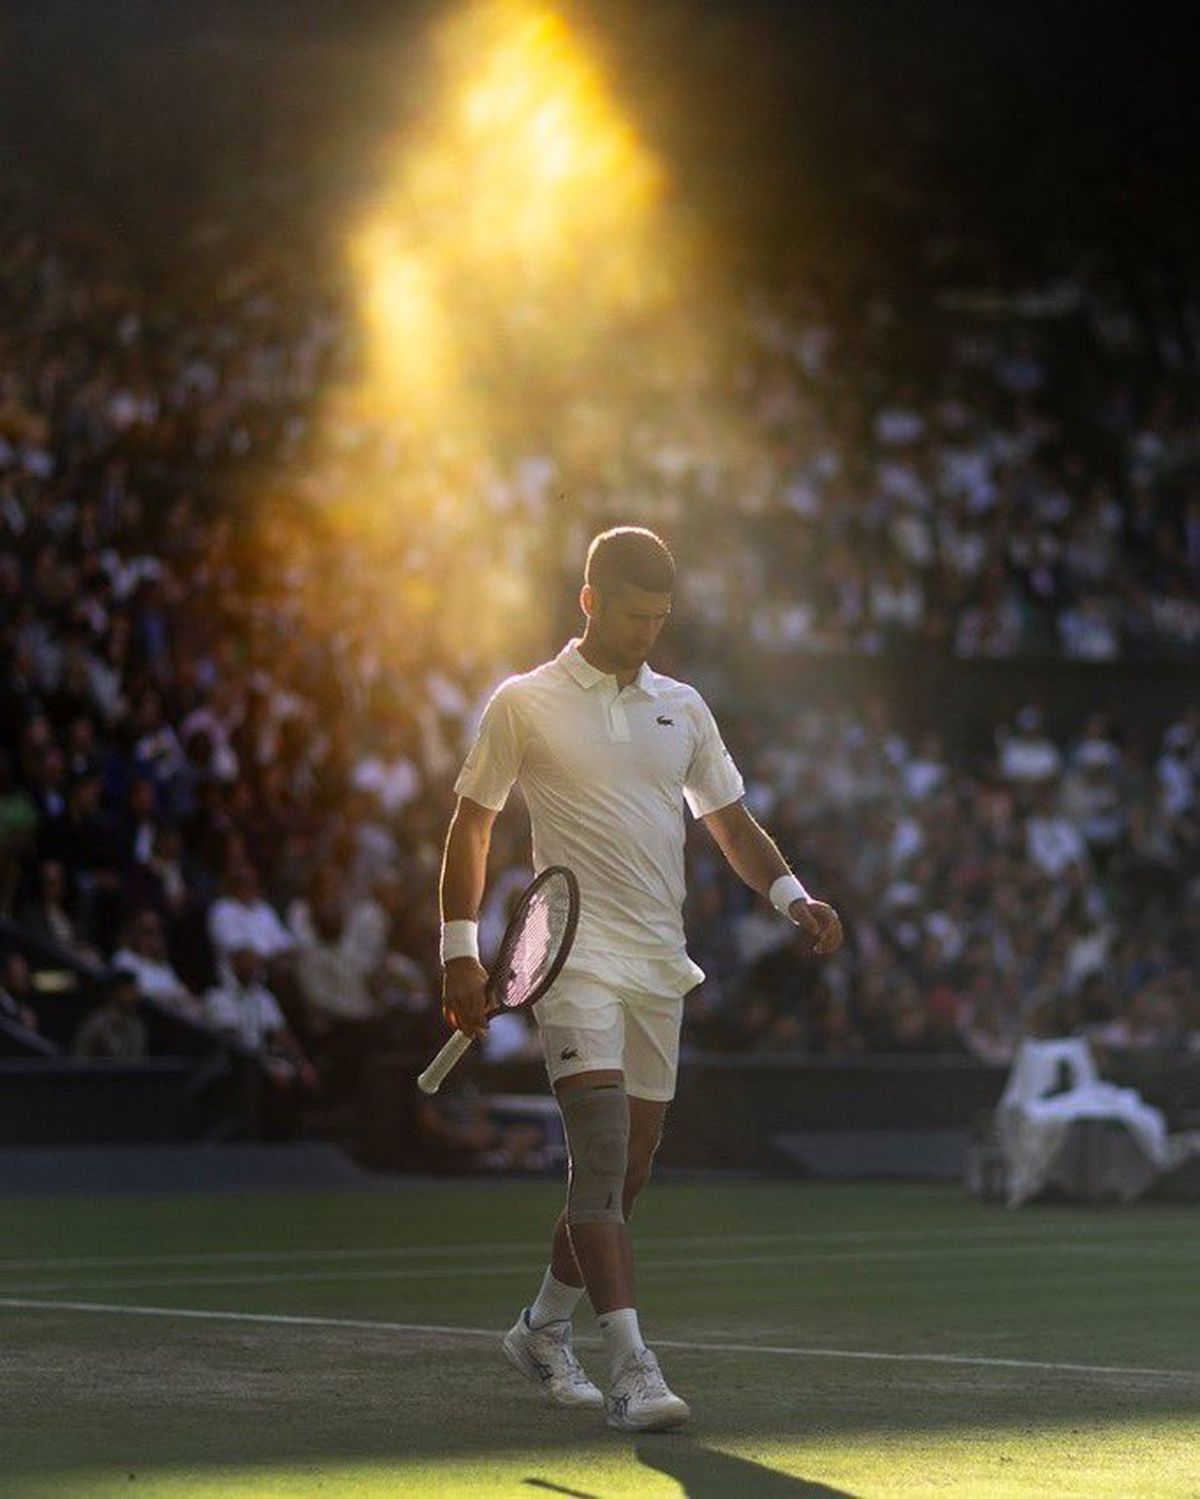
column 545, row 1356
column 640, row 1399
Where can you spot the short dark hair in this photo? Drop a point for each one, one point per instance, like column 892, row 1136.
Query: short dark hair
column 633, row 555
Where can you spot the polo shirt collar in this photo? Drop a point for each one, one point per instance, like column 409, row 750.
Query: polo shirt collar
column 588, row 675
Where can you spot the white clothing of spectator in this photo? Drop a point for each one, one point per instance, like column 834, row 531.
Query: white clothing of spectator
column 1091, row 794
column 898, row 426
column 333, row 988
column 368, row 928
column 1027, row 756
column 964, row 548
column 242, row 919
column 246, row 1010
column 926, row 772
column 1174, row 771
column 205, row 720
column 901, row 481
column 951, row 934
column 242, row 1008
column 897, row 602
column 908, row 839
column 913, row 539
column 160, row 754
column 1054, row 844
column 390, row 776
column 156, row 978
column 1088, row 632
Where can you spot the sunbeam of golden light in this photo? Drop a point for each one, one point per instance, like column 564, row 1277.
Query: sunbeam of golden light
column 532, row 337
column 517, row 234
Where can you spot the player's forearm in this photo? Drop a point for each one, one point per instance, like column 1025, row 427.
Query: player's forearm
column 464, row 867
column 749, row 849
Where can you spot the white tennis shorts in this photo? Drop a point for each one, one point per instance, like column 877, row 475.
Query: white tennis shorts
column 590, row 1025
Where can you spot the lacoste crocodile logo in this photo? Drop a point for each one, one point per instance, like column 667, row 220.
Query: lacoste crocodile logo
column 661, row 719
column 567, row 1054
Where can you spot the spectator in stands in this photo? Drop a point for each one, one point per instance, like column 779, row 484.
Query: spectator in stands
column 1027, row 756
column 144, row 954
column 47, row 915
column 773, row 1008
column 242, row 1008
column 457, row 1134
column 138, row 821
column 343, row 1015
column 1052, row 843
column 85, row 843
column 157, row 753
column 998, row 504
column 16, row 992
column 390, row 773
column 114, row 1029
column 242, row 920
column 18, row 831
column 161, row 880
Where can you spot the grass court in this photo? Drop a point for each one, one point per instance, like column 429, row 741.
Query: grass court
column 831, row 1340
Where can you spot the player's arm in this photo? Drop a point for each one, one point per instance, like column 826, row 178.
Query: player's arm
column 754, row 857
column 464, row 869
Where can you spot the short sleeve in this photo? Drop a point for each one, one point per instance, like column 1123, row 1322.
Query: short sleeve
column 713, row 781
column 495, row 759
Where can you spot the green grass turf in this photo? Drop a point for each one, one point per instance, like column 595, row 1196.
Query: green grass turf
column 100, row 1403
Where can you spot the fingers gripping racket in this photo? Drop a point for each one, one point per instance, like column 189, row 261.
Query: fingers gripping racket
column 533, row 950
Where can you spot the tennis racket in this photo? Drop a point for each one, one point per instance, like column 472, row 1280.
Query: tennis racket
column 532, row 952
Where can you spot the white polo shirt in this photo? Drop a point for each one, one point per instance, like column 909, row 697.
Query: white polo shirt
column 606, row 773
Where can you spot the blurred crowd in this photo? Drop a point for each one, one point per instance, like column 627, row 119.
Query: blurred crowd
column 229, row 729
column 971, row 889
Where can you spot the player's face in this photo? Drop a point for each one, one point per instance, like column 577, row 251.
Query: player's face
column 626, row 621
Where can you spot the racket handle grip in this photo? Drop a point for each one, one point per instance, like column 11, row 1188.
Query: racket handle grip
column 446, row 1060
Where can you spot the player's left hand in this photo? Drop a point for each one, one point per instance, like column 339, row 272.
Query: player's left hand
column 821, row 922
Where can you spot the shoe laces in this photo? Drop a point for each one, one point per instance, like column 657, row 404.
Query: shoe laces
column 646, row 1376
column 558, row 1335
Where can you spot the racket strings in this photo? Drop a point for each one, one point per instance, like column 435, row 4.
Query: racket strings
column 522, row 964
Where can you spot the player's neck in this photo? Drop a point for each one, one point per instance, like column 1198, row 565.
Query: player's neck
column 595, row 656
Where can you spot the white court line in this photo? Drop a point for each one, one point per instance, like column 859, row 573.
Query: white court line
column 646, row 1264
column 17, row 1303
column 645, row 1243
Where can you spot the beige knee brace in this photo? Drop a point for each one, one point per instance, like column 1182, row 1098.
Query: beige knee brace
column 596, row 1117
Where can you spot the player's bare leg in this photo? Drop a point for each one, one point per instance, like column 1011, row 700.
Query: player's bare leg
column 596, row 1231
column 596, row 1255
column 539, row 1344
column 600, row 1255
column 645, row 1132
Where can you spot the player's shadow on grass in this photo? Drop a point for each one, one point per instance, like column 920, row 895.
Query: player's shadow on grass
column 703, row 1473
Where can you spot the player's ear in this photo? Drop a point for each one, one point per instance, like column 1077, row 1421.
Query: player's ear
column 587, row 599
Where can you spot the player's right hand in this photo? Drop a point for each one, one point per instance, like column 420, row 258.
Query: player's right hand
column 464, row 996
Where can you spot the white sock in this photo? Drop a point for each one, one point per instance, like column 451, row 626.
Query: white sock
column 621, row 1335
column 555, row 1302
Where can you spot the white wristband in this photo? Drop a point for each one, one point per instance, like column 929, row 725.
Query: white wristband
column 784, row 891
column 460, row 939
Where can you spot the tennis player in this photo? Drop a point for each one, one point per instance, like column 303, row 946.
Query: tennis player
column 607, row 753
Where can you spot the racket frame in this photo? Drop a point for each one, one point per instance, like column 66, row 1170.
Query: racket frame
column 453, row 1051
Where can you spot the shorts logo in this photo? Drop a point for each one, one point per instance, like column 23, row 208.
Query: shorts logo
column 567, row 1054
column 662, row 720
